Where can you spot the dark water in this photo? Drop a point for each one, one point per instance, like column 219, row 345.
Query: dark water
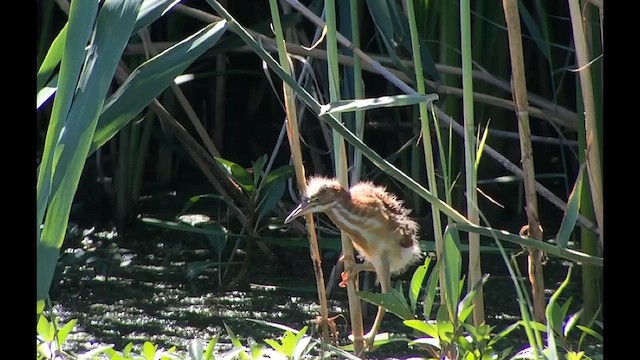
column 152, row 296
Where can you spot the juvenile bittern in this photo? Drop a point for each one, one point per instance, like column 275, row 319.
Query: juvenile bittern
column 377, row 223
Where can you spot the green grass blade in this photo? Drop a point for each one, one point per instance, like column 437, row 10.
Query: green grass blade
column 151, row 10
column 112, row 32
column 81, row 18
column 452, row 269
column 150, row 79
column 374, row 103
column 52, row 58
column 550, row 249
column 430, row 292
column 554, row 317
column 416, row 283
column 571, row 214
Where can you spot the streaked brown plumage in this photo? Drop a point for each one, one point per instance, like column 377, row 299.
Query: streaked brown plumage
column 376, row 221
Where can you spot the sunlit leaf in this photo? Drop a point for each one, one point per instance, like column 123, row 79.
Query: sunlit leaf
column 151, row 10
column 148, row 80
column 430, row 293
column 64, row 331
column 374, row 103
column 416, row 284
column 52, row 59
column 423, row 326
column 393, row 301
column 45, row 329
column 453, row 267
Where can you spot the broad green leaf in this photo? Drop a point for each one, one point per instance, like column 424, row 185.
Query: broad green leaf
column 416, row 283
column 393, row 301
column 452, row 268
column 208, row 353
column 151, row 10
column 51, row 60
column 272, row 195
column 148, row 80
column 280, row 174
column 464, row 312
column 571, row 214
column 39, row 307
column 423, row 326
column 65, row 330
column 444, row 325
column 126, row 351
column 113, row 28
column 276, row 346
column 239, row 174
column 572, row 355
column 149, row 350
column 289, row 342
column 467, row 301
column 45, row 329
column 81, row 18
column 374, row 103
column 430, row 293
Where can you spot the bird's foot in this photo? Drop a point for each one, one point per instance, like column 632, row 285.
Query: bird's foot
column 355, row 269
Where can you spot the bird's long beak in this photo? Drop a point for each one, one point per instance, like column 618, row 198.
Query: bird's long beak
column 302, row 209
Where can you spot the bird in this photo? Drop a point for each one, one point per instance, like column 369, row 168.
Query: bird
column 377, row 223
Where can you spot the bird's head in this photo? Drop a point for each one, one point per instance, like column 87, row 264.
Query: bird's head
column 322, row 194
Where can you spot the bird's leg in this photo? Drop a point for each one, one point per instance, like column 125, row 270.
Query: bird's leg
column 384, row 276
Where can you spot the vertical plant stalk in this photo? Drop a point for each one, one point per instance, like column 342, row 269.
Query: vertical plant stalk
column 340, row 165
column 594, row 168
column 358, row 87
column 220, row 110
column 512, row 18
column 471, row 176
column 294, row 142
column 591, row 275
column 426, row 139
